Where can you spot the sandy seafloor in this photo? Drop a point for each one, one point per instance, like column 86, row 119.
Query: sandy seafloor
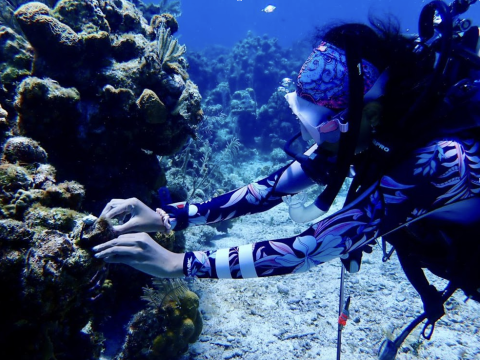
column 295, row 316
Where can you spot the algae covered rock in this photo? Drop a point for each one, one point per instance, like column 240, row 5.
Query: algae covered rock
column 16, row 56
column 49, row 277
column 48, row 123
column 24, row 150
column 48, row 35
column 105, row 94
column 152, row 107
column 166, row 20
column 81, row 16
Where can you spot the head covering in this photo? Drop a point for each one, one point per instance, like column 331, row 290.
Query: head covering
column 322, row 89
column 323, row 78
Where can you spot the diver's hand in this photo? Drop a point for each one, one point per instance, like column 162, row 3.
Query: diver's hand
column 142, row 218
column 295, row 201
column 298, row 211
column 141, row 252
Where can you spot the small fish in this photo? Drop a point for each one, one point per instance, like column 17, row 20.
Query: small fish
column 286, row 82
column 269, row 9
column 282, row 89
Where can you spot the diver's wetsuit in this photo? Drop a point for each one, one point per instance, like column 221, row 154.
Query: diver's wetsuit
column 438, row 177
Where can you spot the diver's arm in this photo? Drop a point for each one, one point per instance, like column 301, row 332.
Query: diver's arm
column 330, row 238
column 334, row 236
column 253, row 198
column 436, row 176
column 433, row 178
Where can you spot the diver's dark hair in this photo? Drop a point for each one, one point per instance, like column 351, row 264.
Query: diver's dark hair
column 383, row 45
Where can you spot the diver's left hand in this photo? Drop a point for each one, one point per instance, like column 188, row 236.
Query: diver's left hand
column 141, row 252
column 298, row 211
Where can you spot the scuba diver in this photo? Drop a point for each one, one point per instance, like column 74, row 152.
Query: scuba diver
column 400, row 116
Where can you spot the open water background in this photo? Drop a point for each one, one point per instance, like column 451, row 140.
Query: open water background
column 224, row 22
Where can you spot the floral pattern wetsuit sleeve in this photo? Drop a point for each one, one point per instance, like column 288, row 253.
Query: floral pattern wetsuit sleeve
column 442, row 173
column 250, row 199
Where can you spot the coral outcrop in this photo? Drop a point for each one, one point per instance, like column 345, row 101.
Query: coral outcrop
column 105, row 93
column 46, row 275
column 171, row 321
column 88, row 99
column 58, row 296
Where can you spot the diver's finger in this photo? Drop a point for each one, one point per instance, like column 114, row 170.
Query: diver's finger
column 119, row 259
column 129, row 226
column 120, row 210
column 115, row 242
column 118, row 251
column 110, row 205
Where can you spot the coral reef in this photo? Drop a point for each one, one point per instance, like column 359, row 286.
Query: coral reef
column 256, row 62
column 88, row 100
column 171, row 321
column 277, row 122
column 243, row 98
column 101, row 89
column 46, row 276
column 16, row 61
column 59, row 297
column 170, row 7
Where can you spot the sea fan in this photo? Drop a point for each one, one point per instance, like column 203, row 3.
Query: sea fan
column 164, row 291
column 168, row 49
column 232, row 149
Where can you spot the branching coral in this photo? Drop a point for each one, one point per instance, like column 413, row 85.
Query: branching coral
column 168, row 49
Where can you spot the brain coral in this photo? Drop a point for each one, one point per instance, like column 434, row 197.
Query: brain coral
column 105, row 94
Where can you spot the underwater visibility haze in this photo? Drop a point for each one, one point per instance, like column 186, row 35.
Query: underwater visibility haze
column 114, row 99
column 224, row 22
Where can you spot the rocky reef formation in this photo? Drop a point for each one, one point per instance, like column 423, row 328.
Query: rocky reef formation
column 102, row 90
column 169, row 323
column 58, row 298
column 90, row 94
column 48, row 277
column 245, row 84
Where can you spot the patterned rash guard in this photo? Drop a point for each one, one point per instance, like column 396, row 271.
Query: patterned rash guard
column 436, row 176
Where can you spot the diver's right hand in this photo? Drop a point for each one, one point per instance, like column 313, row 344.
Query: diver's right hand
column 141, row 252
column 142, row 218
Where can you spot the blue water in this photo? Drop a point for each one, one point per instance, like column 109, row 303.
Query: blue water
column 225, row 22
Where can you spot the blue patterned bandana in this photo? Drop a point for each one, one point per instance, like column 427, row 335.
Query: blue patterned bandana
column 323, row 79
